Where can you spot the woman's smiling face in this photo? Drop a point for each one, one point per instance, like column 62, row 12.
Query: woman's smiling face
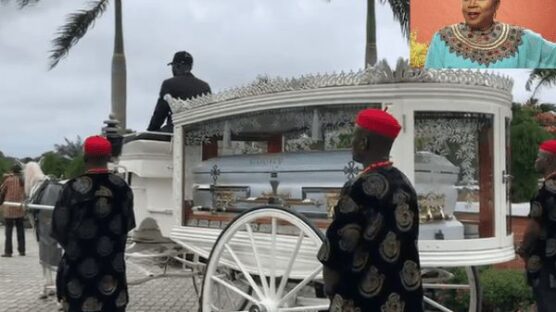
column 479, row 14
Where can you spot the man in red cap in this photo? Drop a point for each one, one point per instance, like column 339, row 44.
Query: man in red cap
column 370, row 256
column 538, row 247
column 91, row 221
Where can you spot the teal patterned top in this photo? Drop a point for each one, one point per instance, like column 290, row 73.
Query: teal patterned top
column 500, row 46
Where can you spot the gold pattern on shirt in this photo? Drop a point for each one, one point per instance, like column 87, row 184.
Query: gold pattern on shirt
column 394, row 304
column 91, row 304
column 375, row 185
column 82, row 185
column 103, row 191
column 390, row 248
column 400, row 197
column 411, row 275
column 404, row 217
column 372, row 282
column 349, row 237
column 347, row 205
column 360, row 258
column 374, row 227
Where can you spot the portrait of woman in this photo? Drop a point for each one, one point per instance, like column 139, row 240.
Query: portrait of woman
column 482, row 41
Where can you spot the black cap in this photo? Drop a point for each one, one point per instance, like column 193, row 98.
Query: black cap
column 182, row 57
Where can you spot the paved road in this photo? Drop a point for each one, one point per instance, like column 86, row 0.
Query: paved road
column 21, row 282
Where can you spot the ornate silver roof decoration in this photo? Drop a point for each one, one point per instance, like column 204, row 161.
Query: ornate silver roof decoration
column 378, row 74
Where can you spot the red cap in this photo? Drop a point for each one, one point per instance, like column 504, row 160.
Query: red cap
column 97, row 146
column 379, row 122
column 548, row 146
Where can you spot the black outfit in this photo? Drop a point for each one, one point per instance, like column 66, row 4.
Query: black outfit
column 370, row 253
column 541, row 261
column 18, row 223
column 183, row 87
column 91, row 221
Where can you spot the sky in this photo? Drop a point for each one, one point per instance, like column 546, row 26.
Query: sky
column 232, row 42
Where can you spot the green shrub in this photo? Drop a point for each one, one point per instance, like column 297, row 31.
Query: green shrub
column 502, row 291
column 505, row 290
column 526, row 134
column 75, row 168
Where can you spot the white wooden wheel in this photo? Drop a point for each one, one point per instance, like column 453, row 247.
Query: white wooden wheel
column 442, row 288
column 265, row 260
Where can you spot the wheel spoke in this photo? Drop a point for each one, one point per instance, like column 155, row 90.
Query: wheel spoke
column 302, row 284
column 446, row 286
column 234, row 289
column 257, row 260
column 323, row 306
column 436, row 304
column 245, row 272
column 228, row 295
column 286, row 275
column 273, row 256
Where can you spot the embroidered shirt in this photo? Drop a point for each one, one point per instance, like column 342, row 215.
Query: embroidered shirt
column 370, row 256
column 91, row 221
column 543, row 253
column 500, row 46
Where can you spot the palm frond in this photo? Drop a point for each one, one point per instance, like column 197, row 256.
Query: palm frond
column 400, row 8
column 75, row 28
column 545, row 77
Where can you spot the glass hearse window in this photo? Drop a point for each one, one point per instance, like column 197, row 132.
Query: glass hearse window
column 454, row 169
column 298, row 156
column 275, row 131
column 330, row 128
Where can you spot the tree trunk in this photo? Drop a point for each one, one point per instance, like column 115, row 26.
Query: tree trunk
column 119, row 91
column 370, row 47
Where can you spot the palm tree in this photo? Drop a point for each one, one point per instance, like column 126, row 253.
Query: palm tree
column 77, row 25
column 545, row 78
column 400, row 8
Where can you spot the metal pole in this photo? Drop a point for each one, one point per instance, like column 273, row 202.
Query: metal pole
column 28, row 206
column 119, row 74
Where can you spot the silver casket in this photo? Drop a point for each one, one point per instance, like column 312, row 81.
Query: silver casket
column 435, row 184
column 310, row 182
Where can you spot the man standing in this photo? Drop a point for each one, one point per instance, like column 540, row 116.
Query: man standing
column 183, row 85
column 538, row 247
column 91, row 221
column 370, row 256
column 12, row 191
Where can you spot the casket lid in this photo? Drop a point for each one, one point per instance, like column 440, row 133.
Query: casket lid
column 427, row 162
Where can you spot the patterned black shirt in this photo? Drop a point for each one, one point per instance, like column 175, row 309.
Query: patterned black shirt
column 91, row 221
column 543, row 251
column 370, row 253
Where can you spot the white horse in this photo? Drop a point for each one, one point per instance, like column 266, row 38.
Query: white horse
column 40, row 189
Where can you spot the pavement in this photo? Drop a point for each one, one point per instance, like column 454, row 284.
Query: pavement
column 21, row 283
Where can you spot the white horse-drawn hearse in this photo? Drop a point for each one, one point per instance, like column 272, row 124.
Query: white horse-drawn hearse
column 243, row 190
